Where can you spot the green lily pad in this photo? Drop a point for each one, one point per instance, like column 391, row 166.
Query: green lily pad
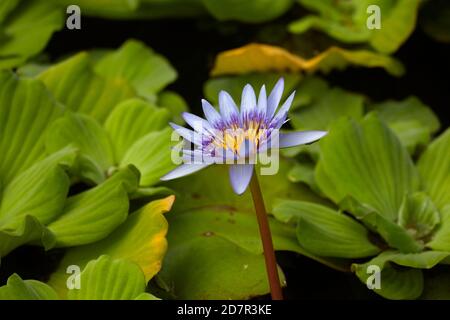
column 221, row 251
column 200, row 190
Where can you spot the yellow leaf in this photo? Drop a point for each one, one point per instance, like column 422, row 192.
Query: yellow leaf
column 256, row 57
column 141, row 239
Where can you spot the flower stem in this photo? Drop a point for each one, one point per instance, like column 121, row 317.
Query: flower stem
column 264, row 230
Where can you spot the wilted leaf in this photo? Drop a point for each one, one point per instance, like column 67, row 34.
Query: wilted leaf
column 265, row 58
column 140, row 239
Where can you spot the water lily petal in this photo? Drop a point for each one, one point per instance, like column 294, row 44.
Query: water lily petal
column 275, row 98
column 211, row 113
column 198, row 124
column 248, row 101
column 281, row 115
column 262, row 101
column 184, row 170
column 228, row 109
column 187, row 134
column 240, row 175
column 292, row 139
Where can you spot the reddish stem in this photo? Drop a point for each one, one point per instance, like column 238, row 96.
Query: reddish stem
column 266, row 237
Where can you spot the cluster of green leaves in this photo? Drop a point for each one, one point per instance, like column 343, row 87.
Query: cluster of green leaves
column 385, row 205
column 94, row 120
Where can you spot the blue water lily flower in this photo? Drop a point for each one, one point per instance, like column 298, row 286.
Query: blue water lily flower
column 236, row 136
